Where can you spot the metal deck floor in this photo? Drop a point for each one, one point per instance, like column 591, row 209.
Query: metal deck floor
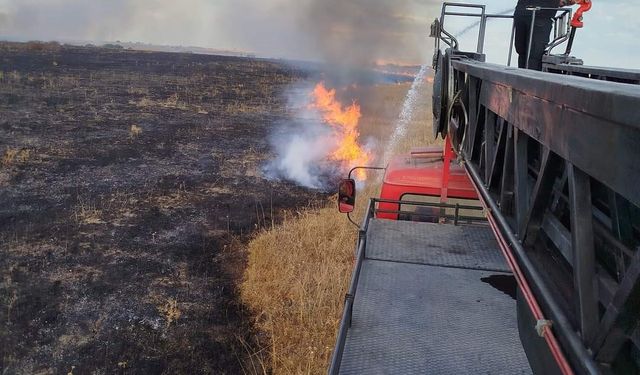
column 431, row 244
column 423, row 308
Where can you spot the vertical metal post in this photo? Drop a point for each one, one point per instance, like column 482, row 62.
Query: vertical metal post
column 572, row 35
column 444, row 9
column 455, row 217
column 533, row 22
column 446, row 166
column 489, row 142
column 482, row 31
column 584, row 255
column 512, row 41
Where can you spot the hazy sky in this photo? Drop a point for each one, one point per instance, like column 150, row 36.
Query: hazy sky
column 609, row 37
column 349, row 30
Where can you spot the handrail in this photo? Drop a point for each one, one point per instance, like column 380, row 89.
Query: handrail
column 429, row 204
column 345, row 322
column 452, row 41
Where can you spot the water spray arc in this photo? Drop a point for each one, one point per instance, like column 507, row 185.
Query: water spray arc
column 477, row 23
column 406, row 114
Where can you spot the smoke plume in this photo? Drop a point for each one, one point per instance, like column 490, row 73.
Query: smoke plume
column 321, row 142
column 337, row 31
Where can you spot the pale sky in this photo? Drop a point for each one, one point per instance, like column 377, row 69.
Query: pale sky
column 609, row 37
column 354, row 30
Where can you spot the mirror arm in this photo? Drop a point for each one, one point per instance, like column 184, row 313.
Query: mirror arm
column 351, row 220
column 370, row 168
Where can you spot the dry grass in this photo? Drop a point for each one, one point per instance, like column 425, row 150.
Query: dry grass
column 294, row 274
column 298, row 272
column 170, row 311
column 86, row 212
column 134, row 131
column 172, row 102
column 13, row 155
column 138, row 90
column 144, row 102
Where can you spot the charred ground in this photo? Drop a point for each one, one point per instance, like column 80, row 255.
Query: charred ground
column 127, row 180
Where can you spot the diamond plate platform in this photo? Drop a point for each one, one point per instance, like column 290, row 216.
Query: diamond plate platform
column 431, row 314
column 434, row 244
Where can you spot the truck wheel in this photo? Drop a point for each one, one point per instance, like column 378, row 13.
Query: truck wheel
column 458, row 120
column 439, row 104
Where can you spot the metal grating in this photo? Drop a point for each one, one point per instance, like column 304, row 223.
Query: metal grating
column 421, row 319
column 434, row 244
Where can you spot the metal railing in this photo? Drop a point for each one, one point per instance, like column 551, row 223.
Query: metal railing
column 345, row 322
column 561, row 27
column 551, row 63
column 620, row 75
column 450, row 39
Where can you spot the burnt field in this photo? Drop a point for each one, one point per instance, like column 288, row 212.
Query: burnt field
column 128, row 181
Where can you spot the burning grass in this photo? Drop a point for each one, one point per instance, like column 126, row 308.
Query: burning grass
column 344, row 121
column 298, row 272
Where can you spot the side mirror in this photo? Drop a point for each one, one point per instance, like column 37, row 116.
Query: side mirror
column 346, row 196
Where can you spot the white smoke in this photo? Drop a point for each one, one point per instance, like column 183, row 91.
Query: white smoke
column 303, row 145
column 298, row 154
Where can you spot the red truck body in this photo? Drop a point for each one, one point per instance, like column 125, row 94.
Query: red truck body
column 431, row 171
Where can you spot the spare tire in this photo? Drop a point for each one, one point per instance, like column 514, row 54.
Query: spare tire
column 457, row 118
column 439, row 104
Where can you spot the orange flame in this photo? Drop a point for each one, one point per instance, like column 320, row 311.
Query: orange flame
column 344, row 122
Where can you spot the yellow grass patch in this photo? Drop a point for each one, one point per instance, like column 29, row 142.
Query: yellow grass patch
column 296, row 275
column 14, row 155
column 134, row 131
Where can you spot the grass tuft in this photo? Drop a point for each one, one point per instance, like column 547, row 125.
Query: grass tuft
column 170, row 311
column 134, row 131
column 14, row 155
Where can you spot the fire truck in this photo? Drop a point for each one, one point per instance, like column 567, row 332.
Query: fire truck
column 514, row 249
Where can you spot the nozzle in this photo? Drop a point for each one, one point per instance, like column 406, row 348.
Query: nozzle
column 576, row 21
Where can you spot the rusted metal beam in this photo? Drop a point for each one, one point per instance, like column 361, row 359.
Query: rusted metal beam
column 550, row 167
column 584, row 254
column 489, row 144
column 621, row 316
column 521, row 178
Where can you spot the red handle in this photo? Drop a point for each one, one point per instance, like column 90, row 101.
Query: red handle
column 576, row 21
